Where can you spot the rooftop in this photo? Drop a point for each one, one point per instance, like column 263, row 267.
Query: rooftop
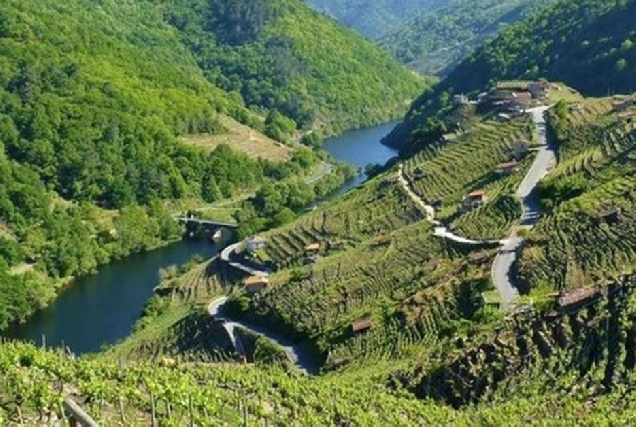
column 312, row 247
column 511, row 164
column 477, row 194
column 255, row 281
column 576, row 296
column 362, row 324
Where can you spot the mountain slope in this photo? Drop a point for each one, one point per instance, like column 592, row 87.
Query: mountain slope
column 93, row 98
column 374, row 18
column 586, row 44
column 282, row 55
column 436, row 41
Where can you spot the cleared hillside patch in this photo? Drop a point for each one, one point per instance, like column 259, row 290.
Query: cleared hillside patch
column 241, row 138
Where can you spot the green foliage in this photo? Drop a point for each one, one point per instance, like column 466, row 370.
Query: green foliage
column 279, row 127
column 374, row 18
column 436, row 41
column 280, row 55
column 580, row 43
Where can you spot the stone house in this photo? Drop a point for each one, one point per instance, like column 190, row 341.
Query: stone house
column 474, row 200
column 255, row 284
column 507, row 168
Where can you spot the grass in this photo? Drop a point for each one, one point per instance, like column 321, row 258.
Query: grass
column 241, row 138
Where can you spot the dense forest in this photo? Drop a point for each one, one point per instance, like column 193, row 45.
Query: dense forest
column 437, row 40
column 282, row 55
column 375, row 18
column 589, row 44
column 93, row 98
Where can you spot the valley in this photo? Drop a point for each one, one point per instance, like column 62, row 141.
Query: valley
column 203, row 220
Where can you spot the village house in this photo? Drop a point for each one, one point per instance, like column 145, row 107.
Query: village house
column 449, row 137
column 576, row 108
column 460, row 99
column 474, row 200
column 539, row 90
column 503, row 117
column 362, row 324
column 254, row 244
column 626, row 116
column 255, row 284
column 520, row 101
column 335, row 245
column 576, row 298
column 312, row 247
column 507, row 168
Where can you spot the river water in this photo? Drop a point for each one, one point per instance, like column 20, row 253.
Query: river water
column 360, row 148
column 101, row 309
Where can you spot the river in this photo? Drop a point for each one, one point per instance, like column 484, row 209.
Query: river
column 360, row 148
column 101, row 309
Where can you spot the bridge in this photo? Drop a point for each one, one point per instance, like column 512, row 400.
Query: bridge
column 207, row 223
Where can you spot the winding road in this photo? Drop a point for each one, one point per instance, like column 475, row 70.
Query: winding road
column 502, row 267
column 302, row 358
column 226, row 256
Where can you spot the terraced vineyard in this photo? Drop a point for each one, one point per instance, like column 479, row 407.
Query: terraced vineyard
column 490, row 222
column 176, row 322
column 375, row 209
column 591, row 232
column 586, row 348
column 33, row 384
column 571, row 367
column 449, row 170
column 408, row 278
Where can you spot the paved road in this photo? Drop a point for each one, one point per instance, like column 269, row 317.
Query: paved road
column 446, row 234
column 302, row 358
column 440, row 230
column 502, row 267
column 325, row 169
column 227, row 254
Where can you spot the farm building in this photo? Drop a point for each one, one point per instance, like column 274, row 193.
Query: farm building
column 255, row 284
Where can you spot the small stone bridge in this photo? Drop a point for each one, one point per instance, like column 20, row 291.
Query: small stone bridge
column 196, row 225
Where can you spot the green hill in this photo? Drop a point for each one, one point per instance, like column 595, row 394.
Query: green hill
column 436, row 41
column 431, row 348
column 96, row 99
column 374, row 18
column 403, row 319
column 282, row 55
column 586, row 44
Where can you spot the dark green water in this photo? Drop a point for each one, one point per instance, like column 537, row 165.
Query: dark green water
column 101, row 309
column 360, row 148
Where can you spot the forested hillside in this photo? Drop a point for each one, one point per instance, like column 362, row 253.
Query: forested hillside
column 282, row 55
column 437, row 40
column 375, row 18
column 93, row 98
column 587, row 44
column 402, row 320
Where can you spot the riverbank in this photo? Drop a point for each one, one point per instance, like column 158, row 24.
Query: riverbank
column 103, row 308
